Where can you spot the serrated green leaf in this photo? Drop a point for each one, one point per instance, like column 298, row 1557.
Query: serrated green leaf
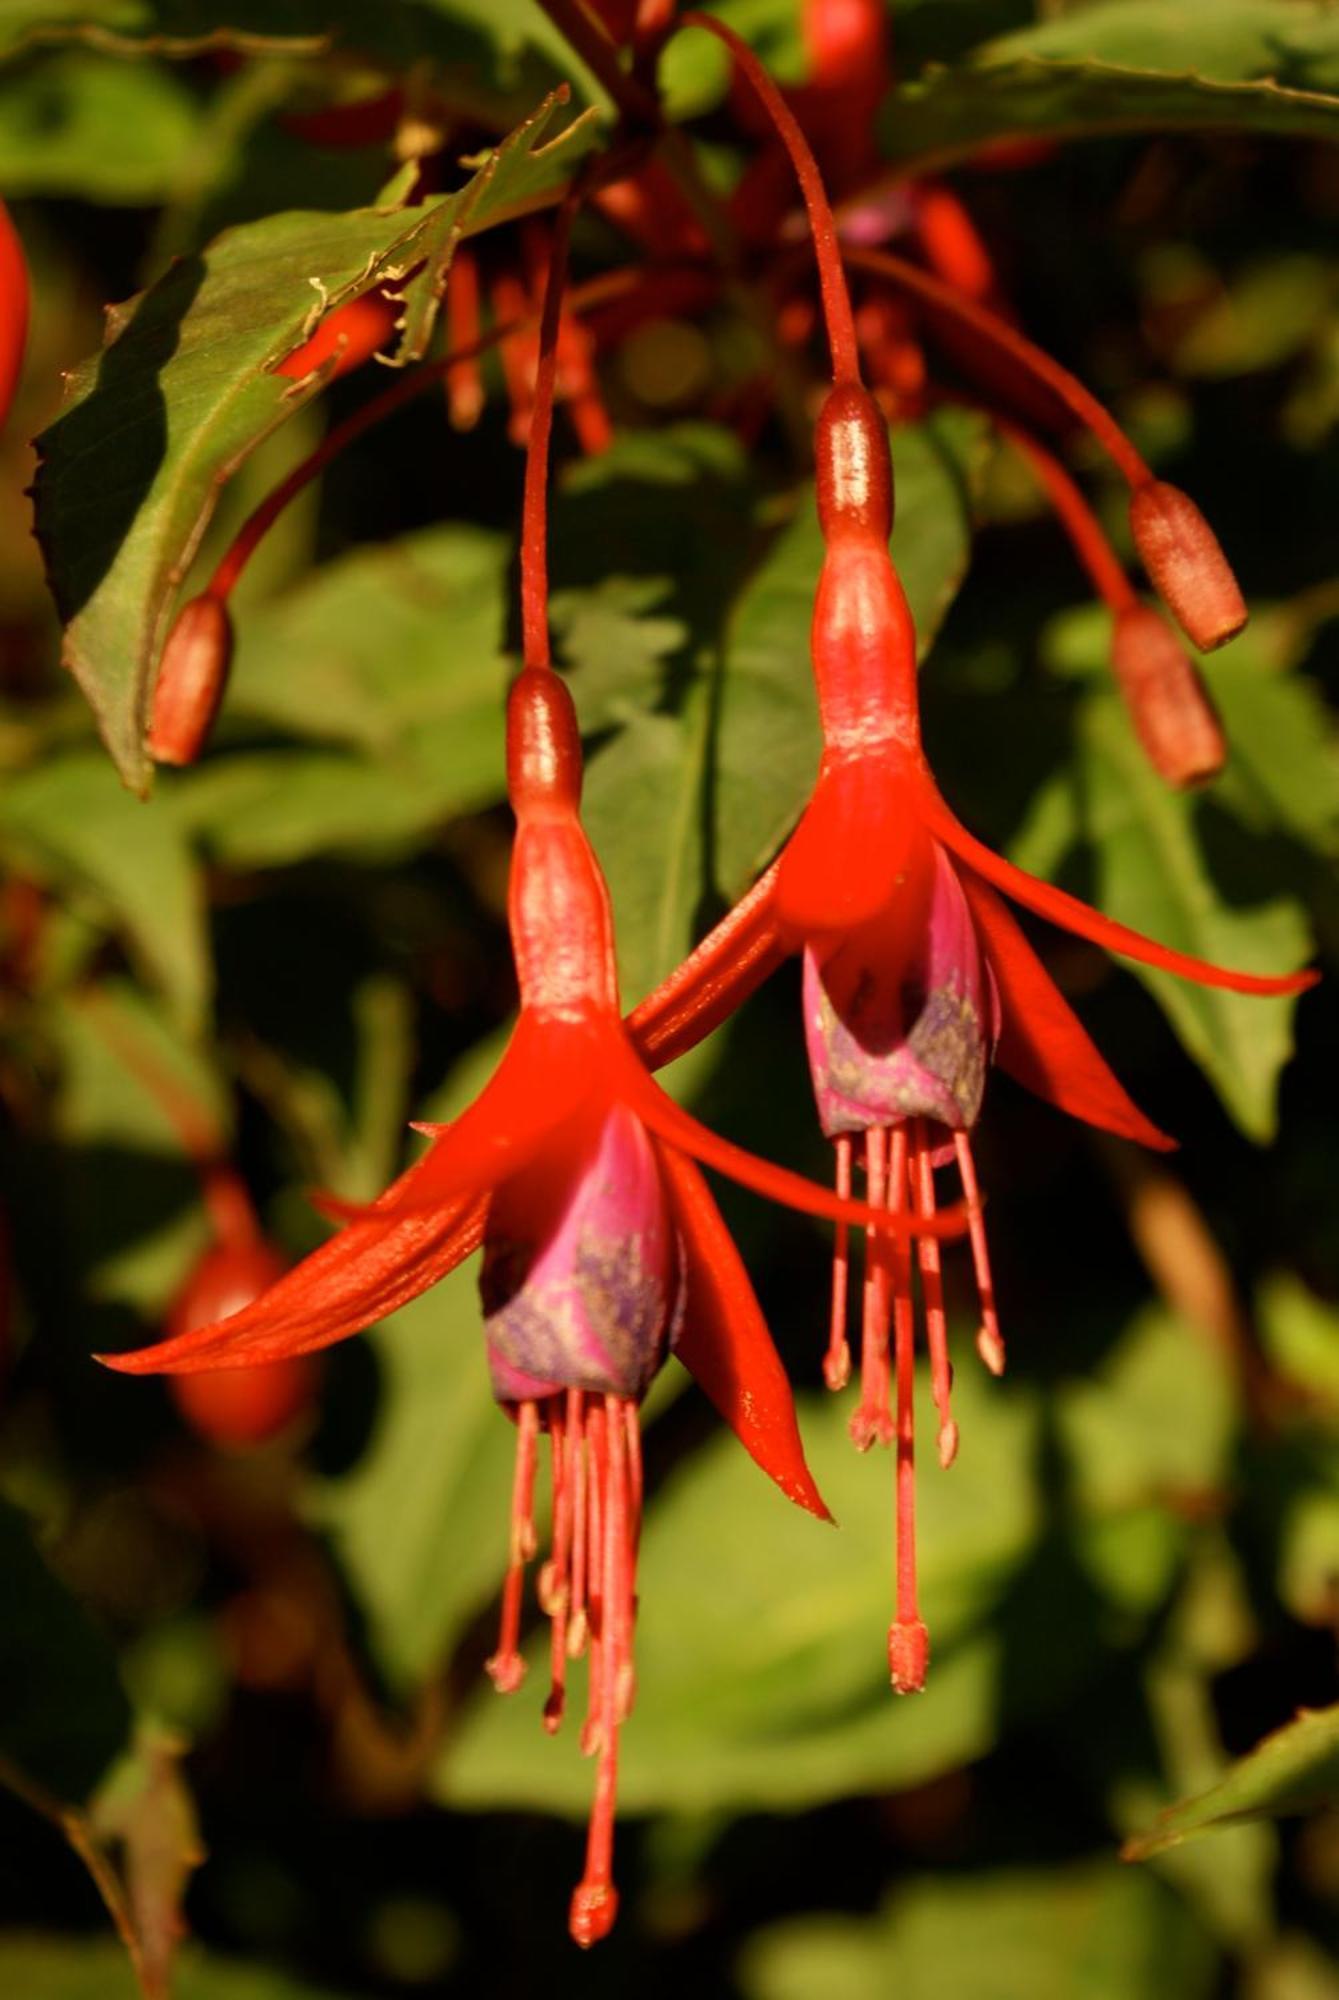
column 1087, row 1932
column 181, row 395
column 1130, row 65
column 1291, row 1771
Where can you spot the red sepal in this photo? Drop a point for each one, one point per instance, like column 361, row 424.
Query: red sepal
column 371, row 1269
column 678, row 1128
column 842, row 863
column 725, row 1344
column 1042, row 1044
column 1072, row 915
column 731, row 962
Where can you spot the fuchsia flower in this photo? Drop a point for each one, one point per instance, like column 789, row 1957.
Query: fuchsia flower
column 916, row 974
column 603, row 1250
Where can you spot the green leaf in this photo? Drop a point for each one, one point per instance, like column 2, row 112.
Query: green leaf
column 1130, row 65
column 687, row 802
column 71, row 825
column 1090, row 1932
column 1291, row 1771
column 1163, row 862
column 420, row 1525
column 183, row 392
column 762, row 1676
column 386, row 642
column 78, row 124
column 47, row 1968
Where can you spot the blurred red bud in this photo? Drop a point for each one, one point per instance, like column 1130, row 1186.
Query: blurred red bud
column 191, row 678
column 352, row 333
column 1181, row 553
column 13, row 310
column 237, row 1407
column 1169, row 704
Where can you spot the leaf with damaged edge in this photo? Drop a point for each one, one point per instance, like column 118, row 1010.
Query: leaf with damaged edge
column 182, row 393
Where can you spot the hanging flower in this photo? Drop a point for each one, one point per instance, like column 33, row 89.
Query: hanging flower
column 603, row 1250
column 916, row 974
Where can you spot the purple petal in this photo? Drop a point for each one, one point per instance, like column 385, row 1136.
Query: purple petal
column 580, row 1274
column 896, row 1032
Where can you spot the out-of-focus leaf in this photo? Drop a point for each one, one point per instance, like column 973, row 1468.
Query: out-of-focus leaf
column 420, row 1525
column 182, row 394
column 687, row 803
column 145, row 1815
column 1289, row 1772
column 48, row 1968
column 103, row 130
column 68, row 1746
column 761, row 1658
column 1080, row 1933
column 384, row 642
column 1241, row 66
column 79, row 832
column 1153, row 853
column 761, row 1677
column 268, row 809
column 181, row 27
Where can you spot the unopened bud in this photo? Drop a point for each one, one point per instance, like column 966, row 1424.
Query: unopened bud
column 1181, row 553
column 1172, row 711
column 191, row 679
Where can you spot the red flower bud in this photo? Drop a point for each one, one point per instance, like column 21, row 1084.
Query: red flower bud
column 237, row 1406
column 191, row 680
column 1189, row 570
column 1169, row 704
column 352, row 333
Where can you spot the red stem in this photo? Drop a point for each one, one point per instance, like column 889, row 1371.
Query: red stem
column 534, row 507
column 997, row 333
column 1075, row 516
column 827, row 250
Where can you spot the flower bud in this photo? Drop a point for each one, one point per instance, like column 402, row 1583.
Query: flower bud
column 1188, row 568
column 191, row 678
column 580, row 1268
column 1169, row 704
column 237, row 1407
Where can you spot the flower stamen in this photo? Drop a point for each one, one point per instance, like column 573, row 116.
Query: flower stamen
column 506, row 1668
column 989, row 1340
column 837, row 1361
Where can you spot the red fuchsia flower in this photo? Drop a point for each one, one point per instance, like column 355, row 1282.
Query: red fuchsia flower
column 603, row 1249
column 916, row 974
